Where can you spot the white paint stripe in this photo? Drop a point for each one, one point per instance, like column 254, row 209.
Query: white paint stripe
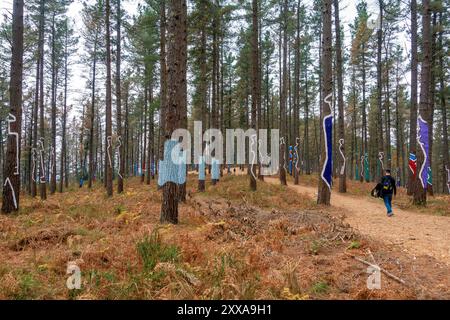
column 109, row 138
column 341, row 143
column 12, row 118
column 252, row 143
column 8, row 181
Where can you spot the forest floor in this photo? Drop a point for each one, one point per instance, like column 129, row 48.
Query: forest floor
column 231, row 243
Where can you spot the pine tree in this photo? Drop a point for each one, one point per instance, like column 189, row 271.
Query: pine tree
column 176, row 80
column 11, row 169
column 324, row 191
column 339, row 75
column 256, row 89
column 420, row 194
column 108, row 128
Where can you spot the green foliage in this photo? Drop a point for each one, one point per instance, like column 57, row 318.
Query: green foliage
column 28, row 287
column 152, row 251
column 320, row 287
column 354, row 245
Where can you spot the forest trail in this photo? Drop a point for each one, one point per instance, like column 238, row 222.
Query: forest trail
column 417, row 233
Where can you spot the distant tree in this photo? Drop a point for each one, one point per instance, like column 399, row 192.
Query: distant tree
column 340, row 85
column 108, row 128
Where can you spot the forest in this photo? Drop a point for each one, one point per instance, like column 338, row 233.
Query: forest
column 324, row 97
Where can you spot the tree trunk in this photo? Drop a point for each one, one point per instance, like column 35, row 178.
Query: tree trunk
column 341, row 125
column 11, row 170
column 442, row 95
column 121, row 164
column 150, row 138
column 127, row 140
column 379, row 173
column 203, row 85
column 364, row 148
column 255, row 90
column 432, row 93
column 306, row 139
column 64, row 124
column 92, row 115
column 42, row 176
column 163, row 79
column 296, row 168
column 177, row 59
column 144, row 132
column 412, row 177
column 108, row 128
column 420, row 194
column 35, row 157
column 325, row 177
column 52, row 160
column 283, row 98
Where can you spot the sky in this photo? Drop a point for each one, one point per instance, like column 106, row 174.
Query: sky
column 77, row 86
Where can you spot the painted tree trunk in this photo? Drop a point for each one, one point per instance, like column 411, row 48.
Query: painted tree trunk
column 11, row 170
column 420, row 194
column 325, row 175
column 177, row 89
column 108, row 128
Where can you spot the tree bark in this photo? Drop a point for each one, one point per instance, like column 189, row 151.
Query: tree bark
column 177, row 59
column 412, row 179
column 35, row 157
column 296, row 168
column 121, row 164
column 379, row 172
column 52, row 160
column 41, row 152
column 63, row 160
column 442, row 96
column 364, row 149
column 283, row 98
column 432, row 100
column 11, row 171
column 256, row 99
column 420, row 194
column 163, row 78
column 340, row 85
column 324, row 192
column 92, row 114
column 108, row 128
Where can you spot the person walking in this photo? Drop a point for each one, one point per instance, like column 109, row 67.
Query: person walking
column 387, row 189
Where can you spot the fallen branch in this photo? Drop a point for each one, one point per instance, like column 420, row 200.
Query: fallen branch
column 371, row 255
column 387, row 273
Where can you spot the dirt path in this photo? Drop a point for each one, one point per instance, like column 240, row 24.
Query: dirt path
column 417, row 233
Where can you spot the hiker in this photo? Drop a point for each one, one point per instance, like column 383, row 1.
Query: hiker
column 387, row 188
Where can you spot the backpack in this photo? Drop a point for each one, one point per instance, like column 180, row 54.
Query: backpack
column 376, row 192
column 386, row 185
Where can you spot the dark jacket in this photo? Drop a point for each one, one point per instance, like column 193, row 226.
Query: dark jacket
column 391, row 190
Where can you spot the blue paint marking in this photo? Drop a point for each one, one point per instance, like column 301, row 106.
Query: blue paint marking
column 327, row 169
column 201, row 168
column 173, row 167
column 215, row 169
